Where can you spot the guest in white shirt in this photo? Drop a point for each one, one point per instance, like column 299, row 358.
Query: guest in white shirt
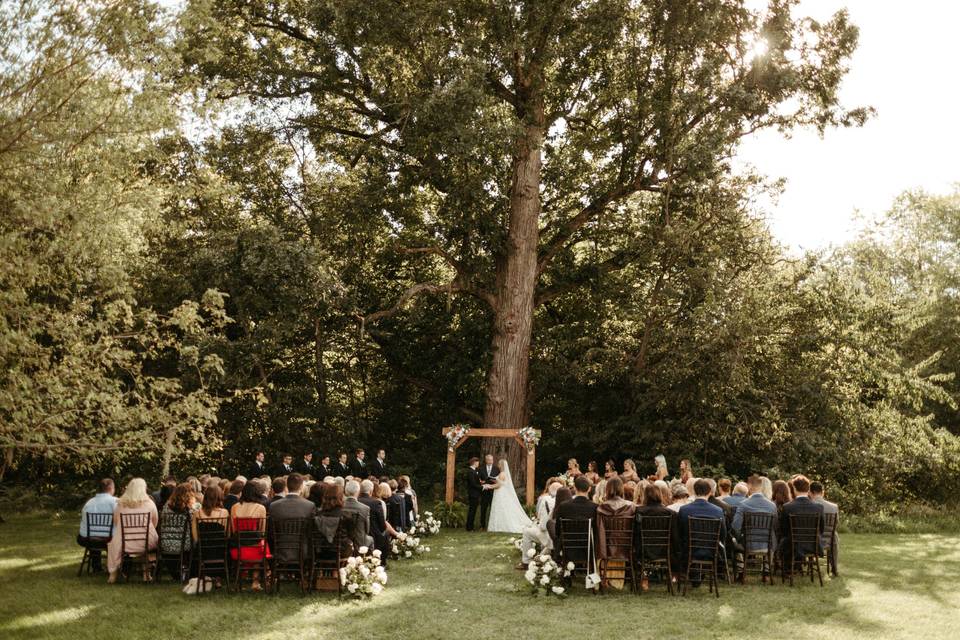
column 537, row 532
column 103, row 502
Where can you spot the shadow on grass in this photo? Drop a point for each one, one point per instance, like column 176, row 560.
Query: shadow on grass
column 467, row 584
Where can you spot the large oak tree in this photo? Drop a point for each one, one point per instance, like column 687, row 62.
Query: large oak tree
column 509, row 134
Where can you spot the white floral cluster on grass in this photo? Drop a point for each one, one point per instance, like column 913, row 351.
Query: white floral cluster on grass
column 364, row 576
column 545, row 576
column 426, row 525
column 407, row 546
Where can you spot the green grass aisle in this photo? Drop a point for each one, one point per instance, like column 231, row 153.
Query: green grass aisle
column 892, row 586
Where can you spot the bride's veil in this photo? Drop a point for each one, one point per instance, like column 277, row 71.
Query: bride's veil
column 505, row 468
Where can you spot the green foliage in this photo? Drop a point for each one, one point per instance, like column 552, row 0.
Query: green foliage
column 453, row 515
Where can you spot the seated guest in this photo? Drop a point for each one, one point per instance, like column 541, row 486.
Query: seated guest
column 331, row 518
column 403, row 489
column 629, row 490
column 728, row 511
column 263, row 488
column 831, row 540
column 723, row 488
column 767, row 487
column 103, row 502
column 378, row 521
column 233, row 494
column 279, row 489
column 563, row 495
column 599, row 491
column 351, row 506
column 614, row 505
column 754, row 503
column 679, row 497
column 739, row 494
column 652, row 507
column 210, row 507
column 397, row 508
column 536, row 534
column 196, row 485
column 666, row 495
column 176, row 515
column 800, row 505
column 700, row 507
column 639, row 492
column 629, row 471
column 579, row 508
column 135, row 499
column 781, row 494
column 161, row 495
column 385, row 494
column 293, row 505
column 408, row 489
column 246, row 515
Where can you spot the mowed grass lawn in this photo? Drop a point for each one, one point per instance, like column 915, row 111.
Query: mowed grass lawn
column 891, row 586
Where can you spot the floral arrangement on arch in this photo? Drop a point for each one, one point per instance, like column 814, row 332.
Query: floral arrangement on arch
column 407, row 546
column 425, row 526
column 545, row 576
column 364, row 576
column 456, row 433
column 530, row 438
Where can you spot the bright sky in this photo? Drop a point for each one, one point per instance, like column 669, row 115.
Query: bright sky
column 906, row 68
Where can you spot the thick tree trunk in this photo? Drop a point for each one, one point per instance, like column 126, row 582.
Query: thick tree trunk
column 509, row 376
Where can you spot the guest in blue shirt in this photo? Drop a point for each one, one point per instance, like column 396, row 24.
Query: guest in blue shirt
column 740, row 492
column 700, row 508
column 103, row 502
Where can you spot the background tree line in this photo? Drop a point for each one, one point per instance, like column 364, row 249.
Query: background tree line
column 290, row 225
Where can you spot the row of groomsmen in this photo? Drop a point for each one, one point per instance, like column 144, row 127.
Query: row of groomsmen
column 357, row 467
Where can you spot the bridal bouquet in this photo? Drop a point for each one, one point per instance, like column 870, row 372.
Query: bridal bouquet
column 407, row 546
column 426, row 525
column 545, row 576
column 364, row 576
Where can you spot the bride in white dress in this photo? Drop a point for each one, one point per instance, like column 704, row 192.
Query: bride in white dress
column 506, row 513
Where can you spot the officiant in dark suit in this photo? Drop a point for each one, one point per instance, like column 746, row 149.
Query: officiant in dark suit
column 488, row 475
column 474, row 491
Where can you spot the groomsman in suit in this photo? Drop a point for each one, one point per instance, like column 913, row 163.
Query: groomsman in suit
column 378, row 467
column 474, row 491
column 305, row 467
column 358, row 468
column 340, row 468
column 488, row 475
column 286, row 466
column 258, row 468
column 323, row 469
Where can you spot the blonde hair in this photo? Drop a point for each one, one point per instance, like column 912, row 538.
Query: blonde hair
column 630, row 463
column 135, row 494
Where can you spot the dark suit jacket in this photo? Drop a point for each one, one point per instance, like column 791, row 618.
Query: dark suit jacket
column 474, row 484
column 728, row 511
column 490, row 478
column 305, row 468
column 653, row 553
column 339, row 470
column 291, row 507
column 376, row 468
column 256, row 470
column 282, row 470
column 397, row 512
column 579, row 508
column 322, row 472
column 359, row 469
column 362, row 532
column 700, row 509
column 801, row 505
column 378, row 524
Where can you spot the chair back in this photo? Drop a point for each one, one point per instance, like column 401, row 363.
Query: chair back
column 249, row 532
column 829, row 527
column 703, row 537
column 804, row 533
column 654, row 533
column 758, row 531
column 289, row 537
column 617, row 535
column 174, row 532
column 576, row 542
column 134, row 528
column 212, row 539
column 100, row 526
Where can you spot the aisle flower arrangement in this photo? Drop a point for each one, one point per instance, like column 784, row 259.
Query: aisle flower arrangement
column 407, row 546
column 426, row 525
column 364, row 576
column 457, row 433
column 545, row 576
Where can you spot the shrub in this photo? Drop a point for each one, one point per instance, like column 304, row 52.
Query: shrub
column 452, row 515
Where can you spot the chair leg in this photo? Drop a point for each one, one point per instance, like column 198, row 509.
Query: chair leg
column 83, row 561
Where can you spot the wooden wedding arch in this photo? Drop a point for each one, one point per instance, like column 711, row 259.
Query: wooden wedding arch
column 490, row 433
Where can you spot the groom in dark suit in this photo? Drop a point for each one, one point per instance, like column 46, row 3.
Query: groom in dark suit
column 474, row 491
column 488, row 475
